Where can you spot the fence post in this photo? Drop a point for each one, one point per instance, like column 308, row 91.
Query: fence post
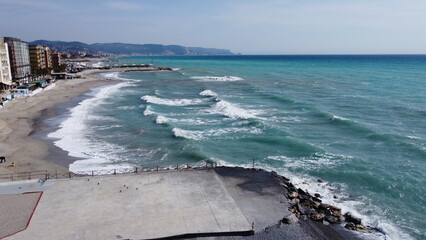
column 157, row 168
column 115, row 172
column 69, row 174
column 177, row 166
column 136, row 169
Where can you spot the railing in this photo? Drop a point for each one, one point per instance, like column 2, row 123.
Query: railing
column 44, row 175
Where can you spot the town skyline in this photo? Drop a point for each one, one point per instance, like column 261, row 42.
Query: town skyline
column 247, row 27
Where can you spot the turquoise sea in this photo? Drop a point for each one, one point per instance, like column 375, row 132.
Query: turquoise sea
column 358, row 122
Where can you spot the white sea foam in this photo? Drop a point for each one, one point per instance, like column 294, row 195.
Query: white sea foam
column 339, row 118
column 217, row 79
column 73, row 136
column 161, row 120
column 127, row 107
column 413, row 137
column 148, row 111
column 176, row 69
column 317, row 161
column 194, row 135
column 230, row 110
column 116, row 75
column 171, row 102
column 200, row 135
column 208, row 93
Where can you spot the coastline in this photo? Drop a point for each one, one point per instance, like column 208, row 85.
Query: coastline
column 21, row 118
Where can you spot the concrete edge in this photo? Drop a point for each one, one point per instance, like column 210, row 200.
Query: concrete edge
column 29, row 220
column 212, row 234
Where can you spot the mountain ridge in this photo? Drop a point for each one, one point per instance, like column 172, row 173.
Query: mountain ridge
column 118, row 48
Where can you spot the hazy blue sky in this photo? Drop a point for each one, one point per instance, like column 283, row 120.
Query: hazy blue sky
column 243, row 26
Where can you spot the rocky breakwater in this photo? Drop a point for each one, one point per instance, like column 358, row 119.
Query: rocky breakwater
column 304, row 206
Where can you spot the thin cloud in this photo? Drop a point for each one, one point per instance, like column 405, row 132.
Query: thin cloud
column 31, row 4
column 125, row 6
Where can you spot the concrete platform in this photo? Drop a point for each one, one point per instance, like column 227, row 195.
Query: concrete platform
column 16, row 211
column 142, row 206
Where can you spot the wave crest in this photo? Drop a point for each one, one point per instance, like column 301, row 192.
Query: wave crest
column 208, row 93
column 217, row 79
column 231, row 111
column 171, row 102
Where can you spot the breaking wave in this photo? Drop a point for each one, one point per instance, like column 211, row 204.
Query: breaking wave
column 208, row 93
column 217, row 79
column 225, row 108
column 171, row 102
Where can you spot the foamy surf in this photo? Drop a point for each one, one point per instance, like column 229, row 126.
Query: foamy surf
column 193, row 135
column 217, row 79
column 208, row 93
column 148, row 111
column 171, row 102
column 206, row 134
column 161, row 120
column 74, row 136
column 116, row 76
column 225, row 108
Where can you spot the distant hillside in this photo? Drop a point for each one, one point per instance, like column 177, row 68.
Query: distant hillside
column 130, row 49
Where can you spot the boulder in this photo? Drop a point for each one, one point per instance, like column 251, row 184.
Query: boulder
column 293, row 195
column 290, row 219
column 350, row 226
column 351, row 219
column 317, row 216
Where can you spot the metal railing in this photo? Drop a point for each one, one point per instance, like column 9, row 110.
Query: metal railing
column 45, row 174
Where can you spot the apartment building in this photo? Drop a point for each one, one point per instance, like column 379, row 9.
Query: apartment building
column 5, row 71
column 37, row 58
column 19, row 58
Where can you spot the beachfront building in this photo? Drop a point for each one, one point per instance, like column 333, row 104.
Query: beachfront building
column 19, row 58
column 48, row 57
column 56, row 59
column 37, row 58
column 5, row 71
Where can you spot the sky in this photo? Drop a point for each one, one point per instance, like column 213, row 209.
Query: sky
column 242, row 26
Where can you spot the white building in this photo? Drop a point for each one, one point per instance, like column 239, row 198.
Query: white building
column 5, row 70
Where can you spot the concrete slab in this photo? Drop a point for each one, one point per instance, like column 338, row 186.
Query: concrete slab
column 142, row 206
column 16, row 211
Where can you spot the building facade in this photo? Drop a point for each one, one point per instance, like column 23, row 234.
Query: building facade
column 48, row 57
column 37, row 58
column 56, row 59
column 19, row 59
column 5, row 71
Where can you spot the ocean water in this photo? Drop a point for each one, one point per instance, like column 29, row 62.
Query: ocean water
column 357, row 122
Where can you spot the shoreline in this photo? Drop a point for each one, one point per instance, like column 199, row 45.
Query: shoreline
column 21, row 122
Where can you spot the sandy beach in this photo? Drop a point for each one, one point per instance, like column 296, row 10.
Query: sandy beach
column 18, row 120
